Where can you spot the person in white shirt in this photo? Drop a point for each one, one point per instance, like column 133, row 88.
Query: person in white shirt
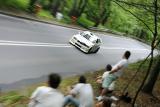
column 48, row 96
column 115, row 73
column 81, row 95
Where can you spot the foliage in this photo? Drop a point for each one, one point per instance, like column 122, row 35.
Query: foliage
column 55, row 6
column 98, row 11
column 45, row 14
column 144, row 11
column 66, row 19
column 14, row 4
column 45, row 4
column 11, row 98
column 84, row 22
column 121, row 20
column 78, row 7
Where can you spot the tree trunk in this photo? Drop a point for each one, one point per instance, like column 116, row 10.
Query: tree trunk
column 72, row 11
column 105, row 16
column 97, row 23
column 104, row 20
column 78, row 8
column 148, row 87
column 82, row 7
column 31, row 5
column 32, row 2
column 55, row 7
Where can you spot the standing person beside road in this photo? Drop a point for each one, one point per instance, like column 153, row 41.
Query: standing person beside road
column 48, row 96
column 115, row 73
column 81, row 95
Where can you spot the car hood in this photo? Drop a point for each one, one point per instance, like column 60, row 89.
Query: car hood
column 84, row 40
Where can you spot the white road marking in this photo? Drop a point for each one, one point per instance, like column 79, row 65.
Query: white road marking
column 36, row 44
column 40, row 44
column 120, row 48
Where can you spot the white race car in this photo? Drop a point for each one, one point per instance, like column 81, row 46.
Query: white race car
column 86, row 41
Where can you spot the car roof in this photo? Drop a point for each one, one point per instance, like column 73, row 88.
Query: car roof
column 91, row 34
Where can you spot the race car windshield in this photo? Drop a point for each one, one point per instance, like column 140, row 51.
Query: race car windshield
column 85, row 35
column 89, row 37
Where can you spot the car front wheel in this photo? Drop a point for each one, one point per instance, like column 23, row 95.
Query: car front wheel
column 90, row 50
column 97, row 50
column 93, row 50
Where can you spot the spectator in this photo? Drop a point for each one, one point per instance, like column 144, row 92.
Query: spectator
column 48, row 96
column 101, row 78
column 81, row 95
column 115, row 73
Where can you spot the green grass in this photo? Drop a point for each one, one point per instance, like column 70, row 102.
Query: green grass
column 66, row 19
column 84, row 22
column 45, row 14
column 11, row 99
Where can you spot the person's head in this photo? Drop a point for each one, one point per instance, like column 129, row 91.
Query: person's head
column 108, row 67
column 54, row 80
column 82, row 79
column 127, row 54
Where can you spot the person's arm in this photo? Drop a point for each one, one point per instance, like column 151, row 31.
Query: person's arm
column 33, row 97
column 99, row 77
column 119, row 66
column 115, row 69
column 35, row 93
column 74, row 91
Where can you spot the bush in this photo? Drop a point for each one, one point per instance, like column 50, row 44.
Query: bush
column 66, row 19
column 121, row 21
column 17, row 4
column 10, row 98
column 45, row 14
column 84, row 22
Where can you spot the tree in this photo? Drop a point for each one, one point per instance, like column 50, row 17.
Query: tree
column 148, row 87
column 55, row 6
column 31, row 5
column 143, row 9
column 106, row 12
column 78, row 8
column 46, row 4
column 152, row 8
column 98, row 11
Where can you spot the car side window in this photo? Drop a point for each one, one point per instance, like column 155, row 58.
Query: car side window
column 98, row 41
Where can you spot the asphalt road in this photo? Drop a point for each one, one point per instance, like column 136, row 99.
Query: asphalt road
column 30, row 50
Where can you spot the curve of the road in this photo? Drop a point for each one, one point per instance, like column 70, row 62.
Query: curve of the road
column 30, row 50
